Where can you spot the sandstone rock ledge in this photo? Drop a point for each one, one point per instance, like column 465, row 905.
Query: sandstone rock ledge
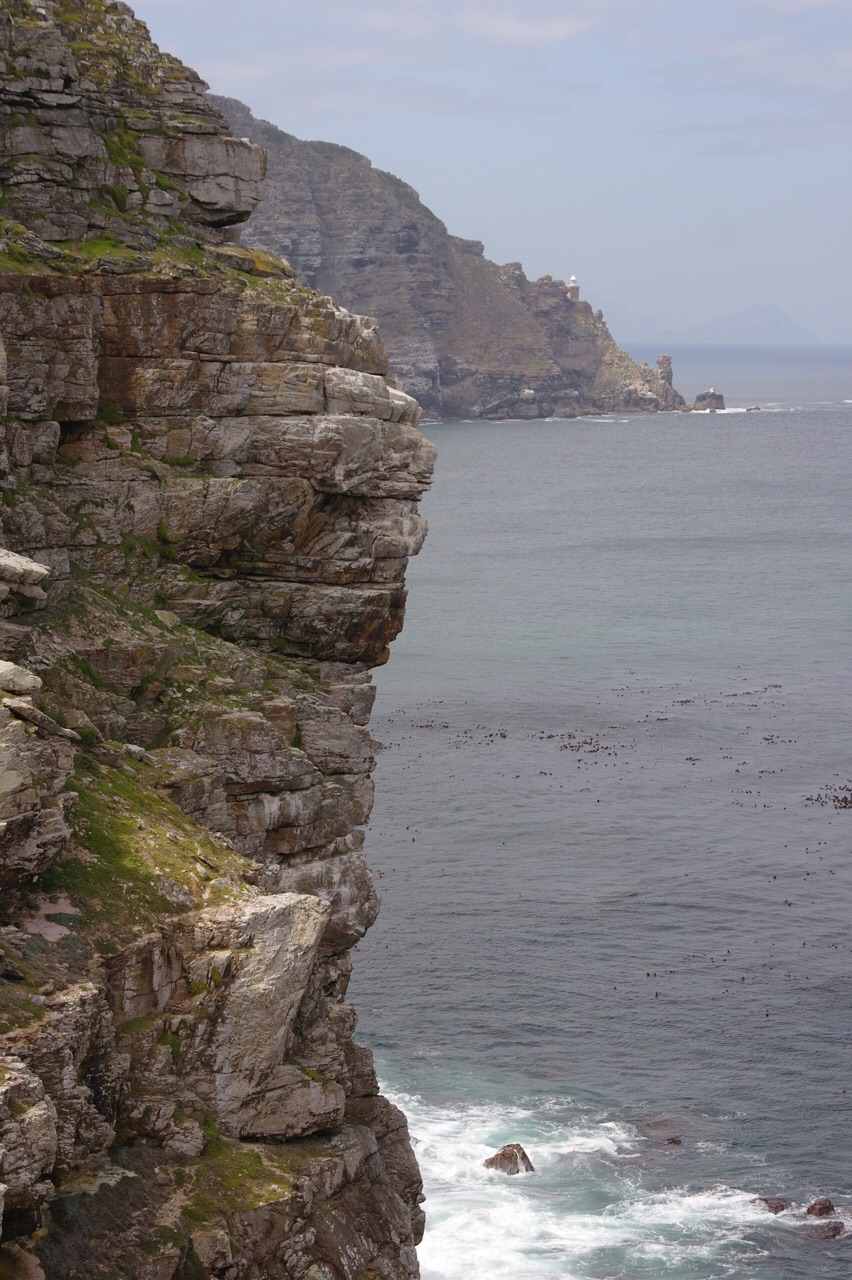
column 209, row 495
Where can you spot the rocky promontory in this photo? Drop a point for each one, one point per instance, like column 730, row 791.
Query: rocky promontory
column 468, row 338
column 209, row 495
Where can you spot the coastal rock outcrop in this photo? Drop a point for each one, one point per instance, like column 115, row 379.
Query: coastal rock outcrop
column 709, row 400
column 467, row 337
column 209, row 496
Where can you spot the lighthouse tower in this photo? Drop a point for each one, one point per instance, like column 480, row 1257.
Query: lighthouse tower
column 573, row 290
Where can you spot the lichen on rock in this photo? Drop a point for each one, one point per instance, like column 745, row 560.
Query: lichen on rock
column 209, row 496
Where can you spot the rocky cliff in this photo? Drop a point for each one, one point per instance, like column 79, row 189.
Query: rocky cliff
column 468, row 338
column 209, row 494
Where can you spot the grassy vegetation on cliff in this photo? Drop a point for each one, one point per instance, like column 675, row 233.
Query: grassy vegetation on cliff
column 137, row 856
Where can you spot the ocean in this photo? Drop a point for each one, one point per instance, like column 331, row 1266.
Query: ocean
column 613, row 837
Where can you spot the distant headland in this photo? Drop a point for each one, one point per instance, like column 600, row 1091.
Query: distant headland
column 467, row 337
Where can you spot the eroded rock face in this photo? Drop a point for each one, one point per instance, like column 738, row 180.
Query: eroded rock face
column 296, row 520
column 98, row 124
column 465, row 336
column 209, row 498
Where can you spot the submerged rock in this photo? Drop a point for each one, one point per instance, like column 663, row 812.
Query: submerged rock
column 510, row 1159
column 824, row 1231
column 772, row 1203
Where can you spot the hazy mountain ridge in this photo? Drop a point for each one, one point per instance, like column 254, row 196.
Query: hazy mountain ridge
column 757, row 326
column 751, row 326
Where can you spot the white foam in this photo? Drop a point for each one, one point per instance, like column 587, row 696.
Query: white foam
column 679, row 1207
column 483, row 1225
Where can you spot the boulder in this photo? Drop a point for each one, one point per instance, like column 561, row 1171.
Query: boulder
column 16, row 570
column 23, row 1265
column 510, row 1159
column 212, row 1248
column 15, row 679
column 821, row 1208
column 24, row 710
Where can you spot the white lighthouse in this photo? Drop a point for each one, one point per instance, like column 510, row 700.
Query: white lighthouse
column 573, row 290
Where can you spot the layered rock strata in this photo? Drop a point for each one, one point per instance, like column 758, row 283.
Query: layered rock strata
column 209, row 495
column 467, row 337
column 103, row 131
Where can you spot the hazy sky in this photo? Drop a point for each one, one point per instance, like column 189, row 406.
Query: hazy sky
column 684, row 160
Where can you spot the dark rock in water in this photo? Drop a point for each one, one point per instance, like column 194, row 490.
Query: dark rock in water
column 510, row 1159
column 772, row 1203
column 753, row 408
column 823, row 1231
column 673, row 1142
column 711, row 399
column 820, row 1208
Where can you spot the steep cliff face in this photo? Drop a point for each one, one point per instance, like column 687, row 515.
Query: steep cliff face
column 98, row 124
column 466, row 337
column 209, row 495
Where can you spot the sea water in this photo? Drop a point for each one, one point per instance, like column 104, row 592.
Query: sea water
column 613, row 846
